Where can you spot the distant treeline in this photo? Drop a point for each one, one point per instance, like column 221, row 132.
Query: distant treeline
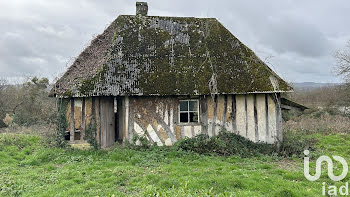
column 335, row 95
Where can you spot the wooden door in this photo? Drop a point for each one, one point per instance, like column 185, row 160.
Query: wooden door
column 107, row 122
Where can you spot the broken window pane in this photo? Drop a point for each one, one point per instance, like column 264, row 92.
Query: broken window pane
column 184, row 117
column 193, row 117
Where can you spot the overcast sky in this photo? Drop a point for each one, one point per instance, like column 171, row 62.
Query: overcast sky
column 296, row 38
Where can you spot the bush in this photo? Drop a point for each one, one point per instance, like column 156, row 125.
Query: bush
column 295, row 142
column 140, row 142
column 91, row 135
column 224, row 143
column 290, row 114
column 61, row 125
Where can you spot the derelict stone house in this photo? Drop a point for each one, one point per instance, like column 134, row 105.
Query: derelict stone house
column 168, row 78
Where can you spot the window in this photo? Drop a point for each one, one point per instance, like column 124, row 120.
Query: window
column 189, row 111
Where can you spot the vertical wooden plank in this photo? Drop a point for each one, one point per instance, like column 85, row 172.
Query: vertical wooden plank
column 234, row 115
column 261, row 113
column 120, row 118
column 96, row 101
column 126, row 117
column 241, row 115
column 71, row 120
column 103, row 122
column 111, row 122
column 250, row 117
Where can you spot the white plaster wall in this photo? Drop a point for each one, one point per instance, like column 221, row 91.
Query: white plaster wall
column 188, row 131
column 251, row 121
column 138, row 129
column 197, row 130
column 154, row 135
column 78, row 102
column 261, row 112
column 240, row 115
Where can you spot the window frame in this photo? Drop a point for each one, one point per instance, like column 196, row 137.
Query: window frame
column 188, row 112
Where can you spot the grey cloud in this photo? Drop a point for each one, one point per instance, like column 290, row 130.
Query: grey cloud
column 40, row 37
column 288, row 35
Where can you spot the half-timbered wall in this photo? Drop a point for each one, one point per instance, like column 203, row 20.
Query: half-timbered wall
column 254, row 116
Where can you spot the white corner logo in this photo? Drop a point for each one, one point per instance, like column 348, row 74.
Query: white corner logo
column 330, row 167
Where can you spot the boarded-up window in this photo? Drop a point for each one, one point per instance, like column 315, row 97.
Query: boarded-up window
column 189, row 111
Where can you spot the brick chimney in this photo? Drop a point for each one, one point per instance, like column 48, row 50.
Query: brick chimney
column 141, row 8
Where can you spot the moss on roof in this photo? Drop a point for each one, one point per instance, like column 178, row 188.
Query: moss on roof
column 151, row 55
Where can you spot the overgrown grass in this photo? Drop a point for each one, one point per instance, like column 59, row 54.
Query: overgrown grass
column 29, row 168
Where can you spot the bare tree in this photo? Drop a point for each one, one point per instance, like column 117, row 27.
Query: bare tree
column 343, row 62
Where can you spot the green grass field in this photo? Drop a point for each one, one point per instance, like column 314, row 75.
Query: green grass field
column 29, row 168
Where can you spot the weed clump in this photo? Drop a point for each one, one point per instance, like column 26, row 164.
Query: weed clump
column 295, row 142
column 226, row 144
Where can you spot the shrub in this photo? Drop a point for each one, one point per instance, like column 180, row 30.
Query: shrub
column 61, row 125
column 318, row 121
column 91, row 135
column 140, row 142
column 290, row 114
column 295, row 142
column 224, row 143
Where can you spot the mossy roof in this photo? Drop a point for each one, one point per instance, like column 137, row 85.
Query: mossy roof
column 152, row 55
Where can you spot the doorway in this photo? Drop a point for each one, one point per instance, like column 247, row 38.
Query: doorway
column 118, row 120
